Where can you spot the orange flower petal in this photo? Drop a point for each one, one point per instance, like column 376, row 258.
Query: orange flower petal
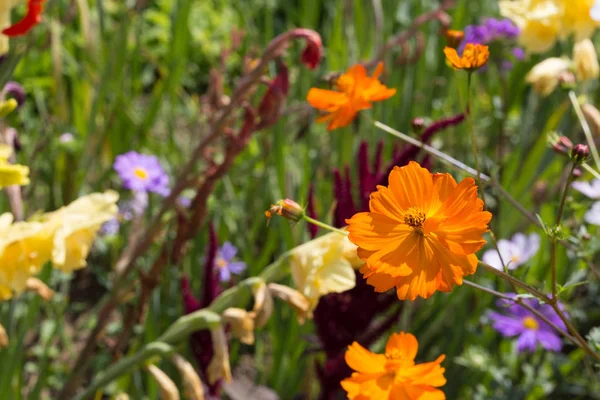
column 362, row 360
column 326, row 100
column 405, row 343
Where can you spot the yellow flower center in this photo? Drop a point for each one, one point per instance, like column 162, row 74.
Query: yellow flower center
column 220, row 263
column 141, row 173
column 530, row 323
column 414, row 218
column 345, row 83
column 514, row 259
column 395, row 354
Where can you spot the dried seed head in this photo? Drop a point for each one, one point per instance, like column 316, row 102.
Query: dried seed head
column 192, row 385
column 168, row 389
column 219, row 365
column 39, row 287
column 241, row 323
column 293, row 297
column 263, row 304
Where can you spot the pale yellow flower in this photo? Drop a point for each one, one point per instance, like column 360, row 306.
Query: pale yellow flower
column 542, row 22
column 24, row 248
column 585, row 60
column 319, row 267
column 11, row 174
column 76, row 225
column 545, row 76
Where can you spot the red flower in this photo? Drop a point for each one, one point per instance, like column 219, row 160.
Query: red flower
column 32, row 18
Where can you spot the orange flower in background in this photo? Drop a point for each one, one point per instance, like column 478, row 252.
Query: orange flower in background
column 474, row 56
column 355, row 91
column 393, row 375
column 454, row 37
column 421, row 233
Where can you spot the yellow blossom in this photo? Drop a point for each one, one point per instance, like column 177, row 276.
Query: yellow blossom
column 585, row 60
column 11, row 174
column 75, row 227
column 319, row 267
column 545, row 76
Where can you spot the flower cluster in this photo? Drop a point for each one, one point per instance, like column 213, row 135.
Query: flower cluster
column 542, row 23
column 491, row 31
column 64, row 237
column 532, row 331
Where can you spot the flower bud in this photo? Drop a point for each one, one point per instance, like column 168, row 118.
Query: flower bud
column 3, row 337
column 293, row 297
column 192, row 385
column 544, row 76
column 263, row 304
column 241, row 323
column 577, row 173
column 8, row 106
column 580, row 152
column 585, row 60
column 560, row 144
column 39, row 287
column 288, row 209
column 168, row 389
column 219, row 365
column 418, row 124
column 454, row 37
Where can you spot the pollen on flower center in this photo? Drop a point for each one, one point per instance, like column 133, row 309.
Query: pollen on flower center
column 514, row 259
column 395, row 354
column 414, row 218
column 530, row 323
column 141, row 173
column 220, row 262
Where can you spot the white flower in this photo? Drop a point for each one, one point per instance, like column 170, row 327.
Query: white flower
column 515, row 252
column 590, row 189
column 545, row 76
column 592, row 216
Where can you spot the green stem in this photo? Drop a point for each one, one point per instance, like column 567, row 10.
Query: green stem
column 591, row 170
column 559, row 215
column 472, row 130
column 324, row 225
column 516, row 282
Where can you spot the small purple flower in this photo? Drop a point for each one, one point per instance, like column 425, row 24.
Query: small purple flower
column 531, row 330
column 224, row 262
column 142, row 173
column 14, row 90
column 494, row 30
column 66, row 138
column 592, row 190
column 110, row 227
column 515, row 252
column 135, row 207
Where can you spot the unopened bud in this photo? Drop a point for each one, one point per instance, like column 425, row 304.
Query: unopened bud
column 263, row 304
column 192, row 385
column 3, row 337
column 418, row 124
column 219, row 367
column 8, row 106
column 560, row 144
column 168, row 389
column 241, row 323
column 580, row 152
column 585, row 60
column 39, row 287
column 294, row 298
column 454, row 37
column 577, row 173
column 288, row 209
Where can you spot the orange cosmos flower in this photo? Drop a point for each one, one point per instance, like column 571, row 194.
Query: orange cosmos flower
column 421, row 232
column 393, row 375
column 355, row 92
column 454, row 37
column 474, row 56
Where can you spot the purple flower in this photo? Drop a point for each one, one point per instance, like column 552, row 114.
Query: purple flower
column 134, row 207
column 494, row 30
column 531, row 330
column 142, row 173
column 110, row 227
column 15, row 90
column 224, row 264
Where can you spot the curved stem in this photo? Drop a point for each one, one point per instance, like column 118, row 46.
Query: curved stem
column 516, row 282
column 324, row 225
